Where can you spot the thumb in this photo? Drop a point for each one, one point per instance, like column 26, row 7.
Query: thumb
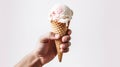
column 49, row 36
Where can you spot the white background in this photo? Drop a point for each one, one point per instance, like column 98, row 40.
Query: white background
column 95, row 31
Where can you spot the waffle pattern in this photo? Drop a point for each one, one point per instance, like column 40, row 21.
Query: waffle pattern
column 59, row 28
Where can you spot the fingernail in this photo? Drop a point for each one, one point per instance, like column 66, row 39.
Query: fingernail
column 57, row 35
column 69, row 32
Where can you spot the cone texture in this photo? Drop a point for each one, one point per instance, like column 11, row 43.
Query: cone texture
column 59, row 28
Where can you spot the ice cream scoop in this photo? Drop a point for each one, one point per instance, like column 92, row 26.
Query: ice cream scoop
column 61, row 13
column 60, row 16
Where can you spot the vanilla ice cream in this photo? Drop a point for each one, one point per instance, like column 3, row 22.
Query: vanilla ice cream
column 61, row 13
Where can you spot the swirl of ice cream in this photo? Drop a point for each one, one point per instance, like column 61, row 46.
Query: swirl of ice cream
column 61, row 13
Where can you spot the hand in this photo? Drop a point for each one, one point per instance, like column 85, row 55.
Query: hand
column 46, row 49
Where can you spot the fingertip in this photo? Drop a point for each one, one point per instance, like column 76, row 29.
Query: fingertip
column 69, row 31
column 64, row 50
column 53, row 35
column 65, row 45
column 49, row 36
column 66, row 38
column 57, row 36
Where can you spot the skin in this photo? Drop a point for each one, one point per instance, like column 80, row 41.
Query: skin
column 45, row 50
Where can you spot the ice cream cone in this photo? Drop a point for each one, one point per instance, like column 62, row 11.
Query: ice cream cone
column 59, row 28
column 60, row 16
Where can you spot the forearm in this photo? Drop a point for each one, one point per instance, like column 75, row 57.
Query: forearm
column 31, row 60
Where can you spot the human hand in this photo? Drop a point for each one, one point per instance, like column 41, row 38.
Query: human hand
column 46, row 49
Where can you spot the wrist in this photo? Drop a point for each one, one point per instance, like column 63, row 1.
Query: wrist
column 30, row 60
column 37, row 61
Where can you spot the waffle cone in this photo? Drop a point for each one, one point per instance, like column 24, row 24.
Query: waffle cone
column 59, row 28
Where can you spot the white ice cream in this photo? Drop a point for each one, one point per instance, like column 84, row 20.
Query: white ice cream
column 61, row 13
